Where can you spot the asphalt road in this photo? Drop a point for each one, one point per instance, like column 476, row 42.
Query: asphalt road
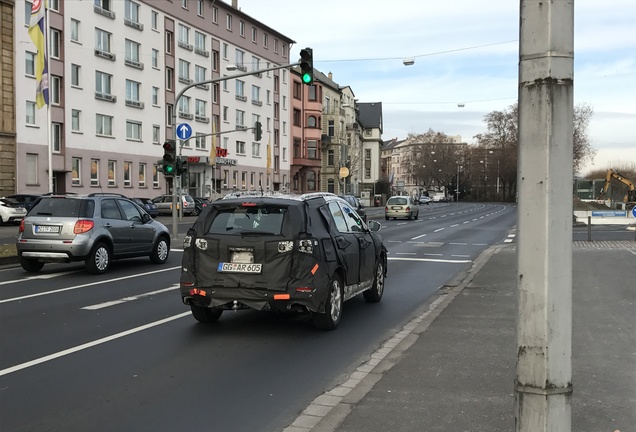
column 119, row 352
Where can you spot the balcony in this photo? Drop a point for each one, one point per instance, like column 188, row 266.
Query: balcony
column 241, row 98
column 185, row 45
column 202, row 119
column 105, row 54
column 105, row 12
column 202, row 52
column 133, row 24
column 105, row 97
column 185, row 80
column 134, row 103
column 186, row 115
column 133, row 63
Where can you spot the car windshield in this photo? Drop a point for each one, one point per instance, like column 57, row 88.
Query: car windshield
column 397, row 201
column 62, row 207
column 266, row 219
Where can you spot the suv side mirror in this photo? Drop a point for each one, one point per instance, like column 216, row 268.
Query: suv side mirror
column 145, row 217
column 374, row 226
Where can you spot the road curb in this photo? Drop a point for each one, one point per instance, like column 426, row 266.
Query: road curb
column 329, row 410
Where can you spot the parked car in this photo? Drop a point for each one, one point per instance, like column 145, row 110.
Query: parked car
column 164, row 204
column 401, row 207
column 200, row 204
column 96, row 228
column 11, row 211
column 26, row 200
column 148, row 205
column 286, row 253
column 425, row 200
column 356, row 204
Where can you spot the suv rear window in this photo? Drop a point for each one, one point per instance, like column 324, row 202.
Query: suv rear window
column 249, row 220
column 63, row 207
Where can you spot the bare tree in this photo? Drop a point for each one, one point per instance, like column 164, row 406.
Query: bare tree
column 434, row 160
column 583, row 149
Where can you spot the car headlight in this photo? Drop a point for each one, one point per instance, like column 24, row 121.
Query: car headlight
column 306, row 246
column 285, row 246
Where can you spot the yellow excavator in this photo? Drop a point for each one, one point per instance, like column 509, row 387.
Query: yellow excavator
column 630, row 196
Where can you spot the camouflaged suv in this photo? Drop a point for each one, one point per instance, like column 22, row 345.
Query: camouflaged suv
column 307, row 254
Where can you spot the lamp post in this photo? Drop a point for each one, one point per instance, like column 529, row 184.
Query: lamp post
column 457, row 191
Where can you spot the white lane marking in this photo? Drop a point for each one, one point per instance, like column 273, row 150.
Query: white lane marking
column 439, row 229
column 401, row 223
column 467, row 222
column 85, row 285
column 87, row 345
column 459, row 244
column 394, row 241
column 430, row 260
column 508, row 241
column 39, row 277
column 453, row 226
column 127, row 299
column 474, row 220
column 479, row 244
column 419, row 236
column 432, row 254
column 406, row 253
column 461, row 256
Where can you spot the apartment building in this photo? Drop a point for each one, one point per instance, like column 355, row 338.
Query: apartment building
column 7, row 95
column 116, row 71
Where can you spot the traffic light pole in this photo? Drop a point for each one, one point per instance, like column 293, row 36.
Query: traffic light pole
column 175, row 225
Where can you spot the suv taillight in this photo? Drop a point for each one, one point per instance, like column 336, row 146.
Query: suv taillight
column 21, row 229
column 82, row 226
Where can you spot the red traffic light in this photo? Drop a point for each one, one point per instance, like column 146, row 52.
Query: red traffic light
column 168, row 146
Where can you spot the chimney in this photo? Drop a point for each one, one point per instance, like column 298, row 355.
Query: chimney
column 235, row 4
column 330, row 76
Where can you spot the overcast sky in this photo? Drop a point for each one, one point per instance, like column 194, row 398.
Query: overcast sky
column 466, row 52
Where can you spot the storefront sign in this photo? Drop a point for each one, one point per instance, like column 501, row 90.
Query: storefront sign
column 226, row 161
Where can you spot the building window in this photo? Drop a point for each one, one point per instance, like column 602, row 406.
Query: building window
column 27, row 13
column 31, row 169
column 225, row 113
column 29, row 65
column 30, row 113
column 311, row 181
column 169, row 114
column 142, row 175
column 133, row 130
column 154, row 20
column 331, row 186
column 331, row 128
column 199, row 73
column 56, row 137
column 199, row 141
column 256, row 94
column 76, row 171
column 155, row 176
column 240, row 147
column 127, row 173
column 256, row 149
column 184, row 106
column 226, row 50
column 132, row 51
column 254, row 34
column 132, row 91
column 331, row 157
column 265, row 40
column 240, row 118
column 215, row 15
column 94, row 172
column 275, row 46
column 75, row 30
column 75, row 75
column 75, row 120
column 312, row 149
column 242, row 28
column 155, row 96
column 228, row 22
column 54, row 44
column 297, row 148
column 200, row 8
column 104, row 125
column 156, row 134
column 184, row 4
column 112, row 173
column 367, row 172
column 102, row 83
column 54, row 5
column 296, row 117
column 200, row 109
column 200, row 43
column 240, row 88
column 155, row 58
column 313, row 93
column 184, row 70
column 169, row 42
column 169, row 79
column 131, row 12
column 55, row 90
column 184, row 36
column 240, row 58
column 102, row 40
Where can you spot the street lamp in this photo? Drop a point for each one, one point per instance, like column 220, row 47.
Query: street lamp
column 457, row 191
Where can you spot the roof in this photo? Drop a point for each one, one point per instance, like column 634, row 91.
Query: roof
column 370, row 115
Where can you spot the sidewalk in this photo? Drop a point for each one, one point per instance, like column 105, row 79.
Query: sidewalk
column 453, row 367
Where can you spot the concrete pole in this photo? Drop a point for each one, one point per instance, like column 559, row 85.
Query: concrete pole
column 544, row 251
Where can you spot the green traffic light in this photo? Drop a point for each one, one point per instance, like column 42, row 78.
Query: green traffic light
column 168, row 169
column 306, row 78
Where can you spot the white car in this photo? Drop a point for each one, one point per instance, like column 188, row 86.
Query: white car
column 11, row 211
column 401, row 207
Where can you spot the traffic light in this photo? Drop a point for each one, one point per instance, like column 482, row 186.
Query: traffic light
column 169, row 158
column 182, row 165
column 160, row 165
column 307, row 65
column 258, row 131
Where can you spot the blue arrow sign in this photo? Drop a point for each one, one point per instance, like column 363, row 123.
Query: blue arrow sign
column 184, row 131
column 634, row 211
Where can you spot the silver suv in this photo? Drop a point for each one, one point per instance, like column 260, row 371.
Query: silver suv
column 95, row 228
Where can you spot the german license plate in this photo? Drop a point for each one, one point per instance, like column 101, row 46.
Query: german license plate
column 396, row 208
column 47, row 229
column 225, row 267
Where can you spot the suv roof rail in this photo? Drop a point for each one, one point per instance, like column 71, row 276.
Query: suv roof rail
column 59, row 193
column 106, row 194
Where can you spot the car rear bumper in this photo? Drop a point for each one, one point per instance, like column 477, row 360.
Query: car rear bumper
column 54, row 250
column 397, row 214
column 240, row 298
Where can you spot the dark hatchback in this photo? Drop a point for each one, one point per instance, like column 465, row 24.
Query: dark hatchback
column 356, row 204
column 148, row 205
column 306, row 254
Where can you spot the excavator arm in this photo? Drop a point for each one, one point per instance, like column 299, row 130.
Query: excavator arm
column 630, row 196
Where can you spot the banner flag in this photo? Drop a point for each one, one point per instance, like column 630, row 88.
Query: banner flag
column 38, row 33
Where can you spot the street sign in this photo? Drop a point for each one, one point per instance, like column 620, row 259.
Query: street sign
column 344, row 172
column 634, row 211
column 184, row 131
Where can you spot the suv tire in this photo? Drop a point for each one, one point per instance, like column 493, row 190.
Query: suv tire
column 329, row 319
column 31, row 265
column 160, row 251
column 374, row 294
column 98, row 260
column 205, row 314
